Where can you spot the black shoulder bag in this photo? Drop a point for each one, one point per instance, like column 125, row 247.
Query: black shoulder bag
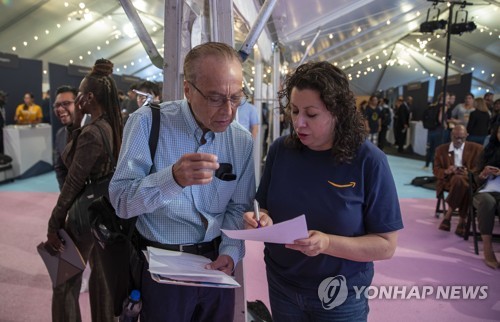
column 121, row 261
column 106, row 226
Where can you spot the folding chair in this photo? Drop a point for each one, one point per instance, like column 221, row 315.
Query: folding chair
column 440, row 204
column 472, row 217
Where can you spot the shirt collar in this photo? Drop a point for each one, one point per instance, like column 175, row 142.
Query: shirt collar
column 193, row 126
column 452, row 147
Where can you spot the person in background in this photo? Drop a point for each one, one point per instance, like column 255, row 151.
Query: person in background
column 410, row 106
column 64, row 109
column 362, row 106
column 183, row 204
column 373, row 121
column 449, row 124
column 487, row 198
column 451, row 103
column 460, row 114
column 150, row 88
column 327, row 170
column 46, row 106
column 488, row 99
column 435, row 132
column 385, row 122
column 3, row 119
column 87, row 159
column 401, row 123
column 479, row 122
column 247, row 116
column 131, row 106
column 28, row 112
column 452, row 164
column 123, row 98
column 495, row 115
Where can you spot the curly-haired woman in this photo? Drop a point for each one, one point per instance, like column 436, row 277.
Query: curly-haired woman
column 87, row 160
column 327, row 170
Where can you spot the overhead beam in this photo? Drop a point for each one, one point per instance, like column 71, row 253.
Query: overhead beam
column 124, row 50
column 461, row 71
column 259, row 25
column 325, row 19
column 172, row 70
column 379, row 80
column 389, row 35
column 309, row 47
column 73, row 34
column 483, row 51
column 395, row 26
column 142, row 33
column 23, row 15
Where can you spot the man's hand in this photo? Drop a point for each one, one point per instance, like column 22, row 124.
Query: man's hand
column 450, row 170
column 223, row 263
column 195, row 168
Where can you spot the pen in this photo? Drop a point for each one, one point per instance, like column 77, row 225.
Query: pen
column 256, row 210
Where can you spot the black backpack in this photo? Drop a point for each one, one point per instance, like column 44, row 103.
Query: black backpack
column 430, row 118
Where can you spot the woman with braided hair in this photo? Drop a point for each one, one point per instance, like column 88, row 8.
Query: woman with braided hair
column 87, row 157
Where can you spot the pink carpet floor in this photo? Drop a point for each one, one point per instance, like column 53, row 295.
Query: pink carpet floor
column 425, row 257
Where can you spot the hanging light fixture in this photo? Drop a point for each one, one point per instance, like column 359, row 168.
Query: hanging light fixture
column 433, row 25
column 459, row 28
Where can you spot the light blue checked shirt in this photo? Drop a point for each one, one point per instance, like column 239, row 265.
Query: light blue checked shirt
column 168, row 213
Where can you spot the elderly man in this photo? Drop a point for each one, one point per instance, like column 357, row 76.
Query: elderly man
column 203, row 180
column 452, row 163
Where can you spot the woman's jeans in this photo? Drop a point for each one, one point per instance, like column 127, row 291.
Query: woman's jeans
column 289, row 306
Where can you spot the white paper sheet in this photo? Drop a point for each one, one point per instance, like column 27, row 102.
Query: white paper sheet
column 185, row 269
column 285, row 232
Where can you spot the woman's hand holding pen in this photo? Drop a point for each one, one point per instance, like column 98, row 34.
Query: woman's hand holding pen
column 315, row 244
column 251, row 222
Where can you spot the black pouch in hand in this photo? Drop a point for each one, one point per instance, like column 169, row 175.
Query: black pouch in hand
column 225, row 172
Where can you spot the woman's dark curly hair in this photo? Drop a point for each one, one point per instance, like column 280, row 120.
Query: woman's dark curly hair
column 100, row 82
column 333, row 88
column 491, row 153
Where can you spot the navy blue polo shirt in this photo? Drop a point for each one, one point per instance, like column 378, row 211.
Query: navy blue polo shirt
column 341, row 199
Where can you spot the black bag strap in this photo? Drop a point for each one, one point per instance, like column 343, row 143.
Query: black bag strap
column 155, row 132
column 154, row 135
column 153, row 143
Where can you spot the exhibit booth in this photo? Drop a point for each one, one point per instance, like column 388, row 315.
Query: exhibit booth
column 30, row 147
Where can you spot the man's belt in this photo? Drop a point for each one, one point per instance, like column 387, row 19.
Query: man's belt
column 198, row 249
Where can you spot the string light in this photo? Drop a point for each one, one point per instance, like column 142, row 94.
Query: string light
column 422, row 45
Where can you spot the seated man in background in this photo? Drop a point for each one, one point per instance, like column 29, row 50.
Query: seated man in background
column 452, row 164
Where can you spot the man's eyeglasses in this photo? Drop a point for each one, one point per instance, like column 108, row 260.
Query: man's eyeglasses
column 64, row 104
column 219, row 100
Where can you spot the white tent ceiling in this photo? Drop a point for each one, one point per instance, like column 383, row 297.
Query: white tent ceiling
column 376, row 41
